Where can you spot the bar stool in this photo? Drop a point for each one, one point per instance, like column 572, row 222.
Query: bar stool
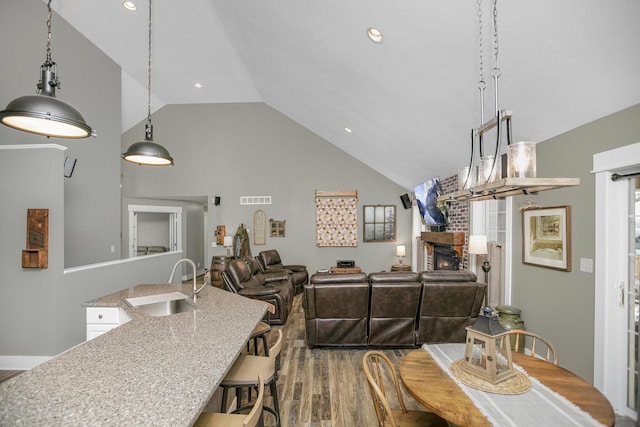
column 261, row 331
column 234, row 419
column 246, row 369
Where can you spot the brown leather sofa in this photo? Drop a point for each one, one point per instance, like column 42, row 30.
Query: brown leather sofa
column 243, row 276
column 270, row 262
column 390, row 309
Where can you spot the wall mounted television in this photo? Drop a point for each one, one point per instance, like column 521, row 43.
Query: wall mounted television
column 433, row 214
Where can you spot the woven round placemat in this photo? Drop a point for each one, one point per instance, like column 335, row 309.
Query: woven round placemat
column 518, row 384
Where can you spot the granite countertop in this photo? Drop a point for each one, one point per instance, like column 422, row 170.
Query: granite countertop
column 148, row 371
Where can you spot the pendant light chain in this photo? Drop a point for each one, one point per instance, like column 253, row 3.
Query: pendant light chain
column 49, row 61
column 149, row 72
column 495, row 72
column 481, row 82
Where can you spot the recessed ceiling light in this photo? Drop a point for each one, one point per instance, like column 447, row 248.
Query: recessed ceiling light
column 198, row 85
column 375, row 35
column 129, row 5
column 347, row 130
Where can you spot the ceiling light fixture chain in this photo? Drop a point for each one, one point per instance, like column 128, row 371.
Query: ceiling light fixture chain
column 149, row 72
column 495, row 72
column 48, row 61
column 481, row 83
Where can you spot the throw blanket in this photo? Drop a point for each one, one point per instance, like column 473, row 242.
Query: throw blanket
column 540, row 406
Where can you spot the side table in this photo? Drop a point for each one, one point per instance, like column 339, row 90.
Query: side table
column 400, row 267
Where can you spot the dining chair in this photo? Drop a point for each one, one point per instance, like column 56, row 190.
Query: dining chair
column 377, row 366
column 247, row 368
column 235, row 419
column 527, row 340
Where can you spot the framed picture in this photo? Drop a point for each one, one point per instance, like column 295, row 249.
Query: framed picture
column 546, row 237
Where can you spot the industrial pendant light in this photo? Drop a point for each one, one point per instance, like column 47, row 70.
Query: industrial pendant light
column 148, row 152
column 42, row 113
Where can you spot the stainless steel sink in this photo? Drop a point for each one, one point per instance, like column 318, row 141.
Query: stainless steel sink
column 162, row 304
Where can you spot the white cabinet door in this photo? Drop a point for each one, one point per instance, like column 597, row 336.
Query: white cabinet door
column 103, row 319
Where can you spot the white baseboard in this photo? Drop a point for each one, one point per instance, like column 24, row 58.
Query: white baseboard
column 21, row 363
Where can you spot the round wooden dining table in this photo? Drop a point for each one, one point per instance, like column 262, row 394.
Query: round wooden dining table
column 434, row 389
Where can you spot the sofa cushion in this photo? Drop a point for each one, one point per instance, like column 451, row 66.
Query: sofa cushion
column 393, row 312
column 336, row 314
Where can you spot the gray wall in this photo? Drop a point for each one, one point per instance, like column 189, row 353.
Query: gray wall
column 560, row 305
column 30, row 178
column 233, row 150
column 42, row 313
column 91, row 83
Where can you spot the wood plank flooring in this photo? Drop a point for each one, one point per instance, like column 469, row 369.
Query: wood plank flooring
column 324, row 387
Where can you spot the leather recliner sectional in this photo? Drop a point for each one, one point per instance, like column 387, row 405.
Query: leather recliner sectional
column 243, row 276
column 390, row 309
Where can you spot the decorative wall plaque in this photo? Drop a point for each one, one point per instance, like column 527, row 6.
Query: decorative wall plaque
column 259, row 227
column 277, row 228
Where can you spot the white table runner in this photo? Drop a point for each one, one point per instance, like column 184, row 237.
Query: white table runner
column 540, row 406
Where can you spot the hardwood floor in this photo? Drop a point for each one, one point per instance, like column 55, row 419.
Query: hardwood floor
column 324, row 387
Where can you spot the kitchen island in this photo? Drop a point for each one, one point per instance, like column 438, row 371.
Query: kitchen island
column 159, row 371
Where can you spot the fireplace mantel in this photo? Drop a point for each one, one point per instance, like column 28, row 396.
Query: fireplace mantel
column 455, row 239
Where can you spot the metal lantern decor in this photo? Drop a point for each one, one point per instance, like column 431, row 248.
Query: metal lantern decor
column 487, row 353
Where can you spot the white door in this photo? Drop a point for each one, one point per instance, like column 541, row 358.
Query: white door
column 616, row 292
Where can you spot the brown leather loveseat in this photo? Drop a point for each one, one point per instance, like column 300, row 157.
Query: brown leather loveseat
column 390, row 309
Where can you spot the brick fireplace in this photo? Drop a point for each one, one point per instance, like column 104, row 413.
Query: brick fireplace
column 455, row 233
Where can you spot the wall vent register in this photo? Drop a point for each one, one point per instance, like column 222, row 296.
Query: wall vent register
column 255, row 200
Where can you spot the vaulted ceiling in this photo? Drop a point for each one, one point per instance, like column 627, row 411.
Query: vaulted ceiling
column 410, row 101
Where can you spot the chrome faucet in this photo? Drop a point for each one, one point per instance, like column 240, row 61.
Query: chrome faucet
column 195, row 289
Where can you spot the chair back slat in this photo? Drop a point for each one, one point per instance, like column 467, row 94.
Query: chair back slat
column 520, row 344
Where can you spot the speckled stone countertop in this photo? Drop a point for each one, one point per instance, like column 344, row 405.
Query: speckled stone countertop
column 158, row 371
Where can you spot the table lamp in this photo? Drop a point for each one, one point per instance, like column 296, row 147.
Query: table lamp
column 400, row 253
column 228, row 243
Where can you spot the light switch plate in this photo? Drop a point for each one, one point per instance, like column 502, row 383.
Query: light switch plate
column 586, row 265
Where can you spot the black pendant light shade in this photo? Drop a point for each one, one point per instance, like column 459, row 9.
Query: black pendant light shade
column 44, row 114
column 148, row 152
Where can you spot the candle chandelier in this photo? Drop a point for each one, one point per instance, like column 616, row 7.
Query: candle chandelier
column 483, row 167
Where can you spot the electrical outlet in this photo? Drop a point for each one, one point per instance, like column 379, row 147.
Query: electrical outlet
column 113, row 249
column 586, row 265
